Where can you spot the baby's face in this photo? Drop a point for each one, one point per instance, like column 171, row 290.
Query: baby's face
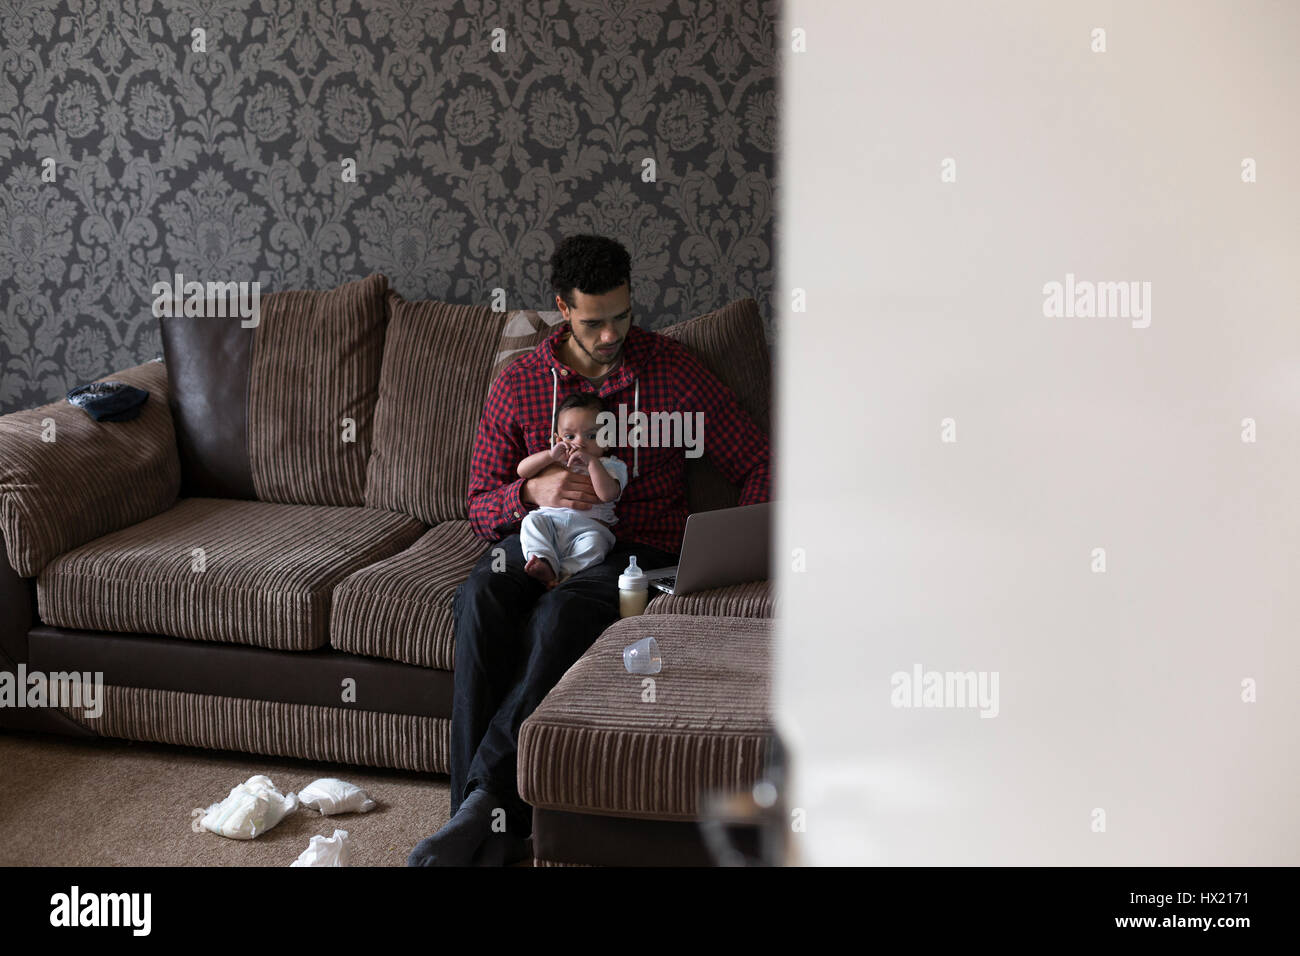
column 578, row 430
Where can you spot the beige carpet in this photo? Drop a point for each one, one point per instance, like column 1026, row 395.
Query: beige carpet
column 69, row 802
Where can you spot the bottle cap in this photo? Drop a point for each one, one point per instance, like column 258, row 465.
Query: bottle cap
column 632, row 578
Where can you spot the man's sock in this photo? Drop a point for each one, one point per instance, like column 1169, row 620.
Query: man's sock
column 503, row 849
column 455, row 843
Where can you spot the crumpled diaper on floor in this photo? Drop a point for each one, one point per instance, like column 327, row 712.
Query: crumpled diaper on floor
column 326, row 851
column 252, row 808
column 330, row 795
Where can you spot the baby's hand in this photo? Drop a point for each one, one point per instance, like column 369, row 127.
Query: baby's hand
column 578, row 458
column 560, row 453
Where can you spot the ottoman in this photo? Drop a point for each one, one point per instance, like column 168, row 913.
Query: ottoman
column 615, row 765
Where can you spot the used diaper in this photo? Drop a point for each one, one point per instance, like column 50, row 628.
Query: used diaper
column 252, row 808
column 330, row 795
column 326, row 851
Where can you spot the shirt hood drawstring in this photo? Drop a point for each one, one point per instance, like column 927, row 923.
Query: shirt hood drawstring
column 555, row 391
column 636, row 407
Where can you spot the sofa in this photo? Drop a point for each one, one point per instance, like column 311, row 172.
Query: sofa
column 265, row 559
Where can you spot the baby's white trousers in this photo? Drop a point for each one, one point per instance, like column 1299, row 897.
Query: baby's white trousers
column 565, row 537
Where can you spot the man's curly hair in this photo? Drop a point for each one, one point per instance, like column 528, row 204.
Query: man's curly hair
column 593, row 265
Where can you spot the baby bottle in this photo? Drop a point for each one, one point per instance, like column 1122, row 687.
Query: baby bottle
column 633, row 590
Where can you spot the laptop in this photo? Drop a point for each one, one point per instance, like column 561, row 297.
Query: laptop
column 728, row 546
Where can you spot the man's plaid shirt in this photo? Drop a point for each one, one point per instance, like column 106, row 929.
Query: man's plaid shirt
column 658, row 374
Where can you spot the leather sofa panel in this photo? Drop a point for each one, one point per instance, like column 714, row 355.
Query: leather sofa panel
column 226, row 670
column 207, row 367
column 17, row 604
column 565, row 838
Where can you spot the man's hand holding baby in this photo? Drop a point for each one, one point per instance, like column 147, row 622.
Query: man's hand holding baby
column 548, row 482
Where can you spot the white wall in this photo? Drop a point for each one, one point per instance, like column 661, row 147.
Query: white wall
column 1119, row 690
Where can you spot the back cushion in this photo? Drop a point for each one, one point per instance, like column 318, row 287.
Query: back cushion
column 315, row 362
column 730, row 344
column 524, row 331
column 438, row 363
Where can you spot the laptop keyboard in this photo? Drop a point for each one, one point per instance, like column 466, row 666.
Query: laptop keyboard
column 668, row 584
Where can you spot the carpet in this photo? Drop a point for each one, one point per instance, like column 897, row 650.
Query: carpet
column 71, row 802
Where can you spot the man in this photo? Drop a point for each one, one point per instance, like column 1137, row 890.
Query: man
column 515, row 638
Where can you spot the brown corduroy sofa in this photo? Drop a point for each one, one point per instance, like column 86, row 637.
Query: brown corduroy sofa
column 265, row 559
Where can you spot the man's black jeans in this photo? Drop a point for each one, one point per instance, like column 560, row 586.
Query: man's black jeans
column 514, row 641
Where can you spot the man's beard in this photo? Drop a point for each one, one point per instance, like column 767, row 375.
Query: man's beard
column 614, row 356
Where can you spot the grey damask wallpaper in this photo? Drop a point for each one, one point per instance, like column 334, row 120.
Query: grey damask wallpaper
column 471, row 163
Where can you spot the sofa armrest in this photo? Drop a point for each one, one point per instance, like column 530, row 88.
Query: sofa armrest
column 755, row 599
column 91, row 479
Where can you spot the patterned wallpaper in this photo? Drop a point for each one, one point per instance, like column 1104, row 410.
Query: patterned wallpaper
column 471, row 162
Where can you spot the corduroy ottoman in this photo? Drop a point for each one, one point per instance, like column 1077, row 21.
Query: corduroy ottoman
column 616, row 765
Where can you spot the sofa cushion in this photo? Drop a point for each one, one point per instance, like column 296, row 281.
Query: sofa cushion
column 594, row 746
column 437, row 359
column 401, row 608
column 263, row 576
column 315, row 361
column 730, row 343
column 755, row 599
column 92, row 478
column 523, row 331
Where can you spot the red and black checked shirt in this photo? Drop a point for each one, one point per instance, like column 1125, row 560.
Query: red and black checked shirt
column 517, row 422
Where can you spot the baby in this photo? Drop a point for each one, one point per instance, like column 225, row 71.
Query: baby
column 558, row 542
